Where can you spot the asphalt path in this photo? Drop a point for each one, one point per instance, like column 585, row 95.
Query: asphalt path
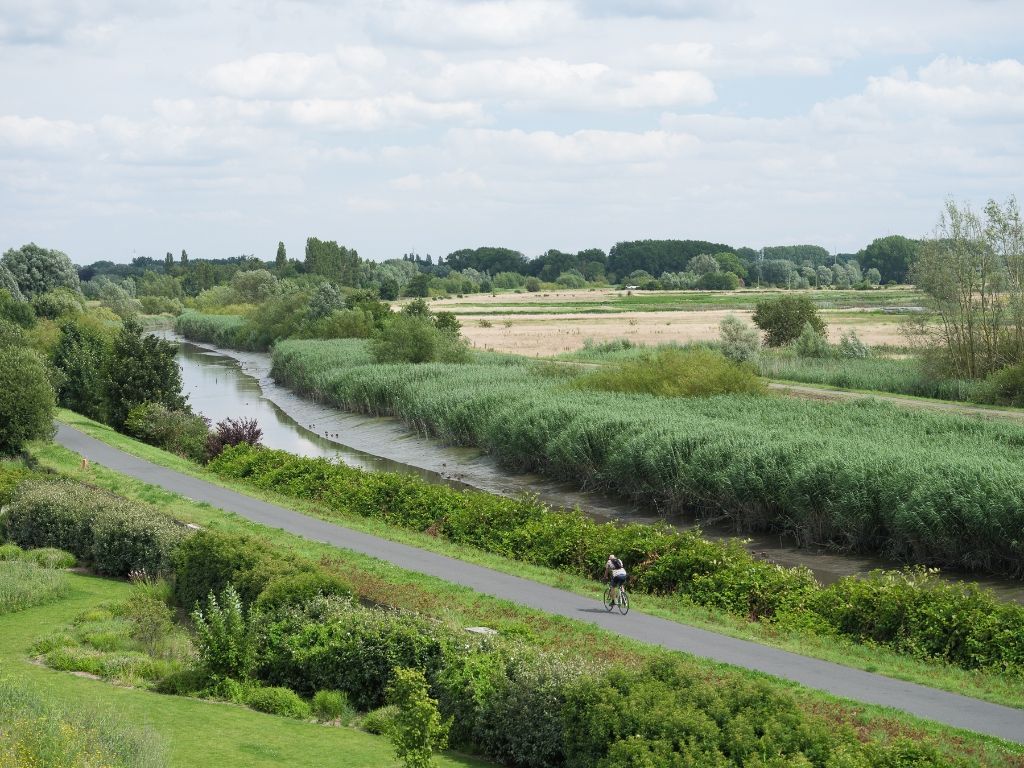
column 949, row 708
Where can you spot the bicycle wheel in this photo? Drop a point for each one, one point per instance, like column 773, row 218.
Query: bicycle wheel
column 623, row 601
column 608, row 601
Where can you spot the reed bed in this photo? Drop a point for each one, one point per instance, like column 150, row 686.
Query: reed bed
column 867, row 477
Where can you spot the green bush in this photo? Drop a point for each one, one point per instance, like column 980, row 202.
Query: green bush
column 1006, row 386
column 294, row 590
column 178, row 431
column 532, row 284
column 209, row 560
column 851, row 347
column 413, row 339
column 738, row 341
column 332, row 706
column 225, row 636
column 277, row 701
column 10, row 552
column 676, row 373
column 117, row 536
column 783, row 318
column 418, row 729
column 331, row 644
column 810, row 343
column 380, row 721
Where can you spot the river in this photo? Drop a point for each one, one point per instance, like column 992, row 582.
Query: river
column 230, row 383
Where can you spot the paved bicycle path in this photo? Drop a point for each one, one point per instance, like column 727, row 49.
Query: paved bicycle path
column 949, row 708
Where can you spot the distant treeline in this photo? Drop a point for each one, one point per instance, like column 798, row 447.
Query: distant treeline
column 648, row 264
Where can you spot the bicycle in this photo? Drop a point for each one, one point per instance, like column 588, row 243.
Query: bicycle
column 622, row 602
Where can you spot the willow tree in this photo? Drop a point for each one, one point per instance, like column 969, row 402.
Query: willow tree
column 972, row 270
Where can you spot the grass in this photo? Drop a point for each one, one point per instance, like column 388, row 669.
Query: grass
column 474, row 609
column 912, row 486
column 194, row 732
column 613, row 301
column 24, row 584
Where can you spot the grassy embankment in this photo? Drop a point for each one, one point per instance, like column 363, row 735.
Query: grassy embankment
column 378, row 581
column 193, row 732
column 985, row 685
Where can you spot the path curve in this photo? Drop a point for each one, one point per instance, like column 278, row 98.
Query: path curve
column 949, row 708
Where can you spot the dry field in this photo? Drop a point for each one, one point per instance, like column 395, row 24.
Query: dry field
column 541, row 325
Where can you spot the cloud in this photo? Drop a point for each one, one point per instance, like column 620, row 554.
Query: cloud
column 559, row 84
column 396, row 111
column 41, row 133
column 435, row 24
column 585, row 147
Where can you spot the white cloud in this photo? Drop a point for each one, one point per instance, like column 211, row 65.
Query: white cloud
column 586, row 147
column 40, row 132
column 396, row 111
column 559, row 84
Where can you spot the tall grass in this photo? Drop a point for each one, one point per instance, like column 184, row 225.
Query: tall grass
column 866, row 477
column 222, row 330
column 38, row 730
column 24, row 584
column 903, row 377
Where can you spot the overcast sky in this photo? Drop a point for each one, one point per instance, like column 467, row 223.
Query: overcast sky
column 222, row 127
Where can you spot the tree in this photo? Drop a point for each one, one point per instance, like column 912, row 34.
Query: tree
column 80, row 358
column 389, row 289
column 168, row 260
column 254, row 286
column 892, row 256
column 325, row 299
column 873, row 277
column 9, row 284
column 141, row 369
column 703, row 264
column 488, row 259
column 417, row 339
column 783, row 318
column 657, row 256
column 16, row 310
column 418, row 728
column 825, row 276
column 814, row 254
column 184, row 257
column 418, row 286
column 26, row 399
column 38, row 270
column 282, row 257
column 970, row 271
column 335, row 262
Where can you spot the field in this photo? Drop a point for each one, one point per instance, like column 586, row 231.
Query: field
column 546, row 324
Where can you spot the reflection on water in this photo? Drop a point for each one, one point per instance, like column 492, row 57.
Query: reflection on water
column 222, row 384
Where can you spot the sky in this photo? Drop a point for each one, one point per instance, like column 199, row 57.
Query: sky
column 399, row 126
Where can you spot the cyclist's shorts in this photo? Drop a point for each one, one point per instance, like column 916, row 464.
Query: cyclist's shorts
column 619, row 580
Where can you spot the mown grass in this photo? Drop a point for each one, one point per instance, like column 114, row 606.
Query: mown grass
column 194, row 732
column 930, row 488
column 474, row 609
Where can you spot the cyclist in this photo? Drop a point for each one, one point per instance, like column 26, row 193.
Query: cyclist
column 616, row 572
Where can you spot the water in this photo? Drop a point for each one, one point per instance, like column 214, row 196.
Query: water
column 222, row 384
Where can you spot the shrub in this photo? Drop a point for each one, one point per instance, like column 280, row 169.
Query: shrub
column 417, row 729
column 1006, row 386
column 26, row 399
column 413, row 339
column 232, row 431
column 178, row 431
column 294, row 590
column 380, row 721
column 532, row 284
column 331, row 644
column 738, row 341
column 332, row 706
column 209, row 560
column 224, row 636
column 277, row 701
column 719, row 281
column 783, row 318
column 161, row 305
column 571, row 279
column 852, row 348
column 676, row 373
column 810, row 343
column 10, row 553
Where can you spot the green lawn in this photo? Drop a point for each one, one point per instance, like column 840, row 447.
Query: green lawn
column 194, row 732
column 1001, row 689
